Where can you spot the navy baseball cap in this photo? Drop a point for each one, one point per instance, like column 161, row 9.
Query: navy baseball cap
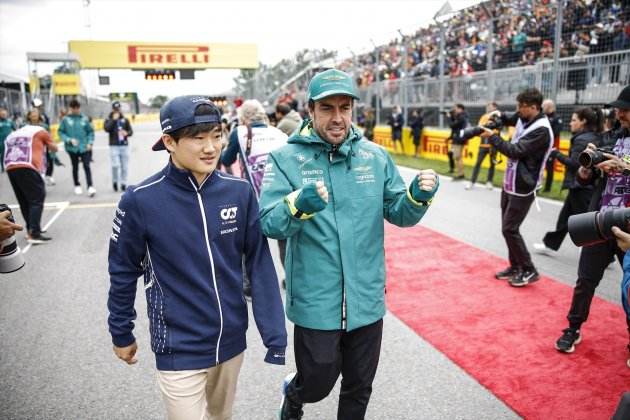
column 179, row 112
column 623, row 101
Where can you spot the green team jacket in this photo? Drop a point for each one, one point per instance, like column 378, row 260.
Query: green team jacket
column 6, row 127
column 336, row 254
column 76, row 127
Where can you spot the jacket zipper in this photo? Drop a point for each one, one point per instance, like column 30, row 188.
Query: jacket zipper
column 343, row 283
column 214, row 276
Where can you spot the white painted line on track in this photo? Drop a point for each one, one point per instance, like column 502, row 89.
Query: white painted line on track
column 50, row 222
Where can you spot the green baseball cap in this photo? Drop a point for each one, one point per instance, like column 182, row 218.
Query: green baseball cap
column 331, row 82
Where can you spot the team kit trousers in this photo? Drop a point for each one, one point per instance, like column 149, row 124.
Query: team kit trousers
column 85, row 158
column 514, row 209
column 321, row 356
column 30, row 191
column 201, row 394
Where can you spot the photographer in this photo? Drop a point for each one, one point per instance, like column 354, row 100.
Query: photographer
column 527, row 153
column 586, row 124
column 485, row 149
column 458, row 122
column 612, row 186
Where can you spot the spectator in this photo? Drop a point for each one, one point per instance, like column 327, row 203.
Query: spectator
column 288, row 119
column 77, row 134
column 396, row 123
column 119, row 129
column 6, row 127
column 416, row 123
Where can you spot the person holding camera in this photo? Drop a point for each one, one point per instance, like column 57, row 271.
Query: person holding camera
column 485, row 149
column 25, row 162
column 458, row 122
column 586, row 126
column 328, row 192
column 612, row 178
column 186, row 229
column 119, row 129
column 527, row 153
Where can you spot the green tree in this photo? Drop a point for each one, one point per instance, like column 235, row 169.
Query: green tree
column 158, row 101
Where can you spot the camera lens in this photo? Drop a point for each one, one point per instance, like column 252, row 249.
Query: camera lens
column 596, row 227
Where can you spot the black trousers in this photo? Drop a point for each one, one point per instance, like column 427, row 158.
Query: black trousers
column 50, row 164
column 513, row 212
column 576, row 202
column 593, row 261
column 320, row 356
column 85, row 158
column 548, row 174
column 483, row 152
column 30, row 191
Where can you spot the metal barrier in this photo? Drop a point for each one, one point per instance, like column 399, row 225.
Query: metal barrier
column 593, row 79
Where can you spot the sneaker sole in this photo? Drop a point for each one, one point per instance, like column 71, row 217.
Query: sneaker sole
column 533, row 280
column 572, row 348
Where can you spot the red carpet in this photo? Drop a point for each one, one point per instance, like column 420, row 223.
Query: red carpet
column 503, row 336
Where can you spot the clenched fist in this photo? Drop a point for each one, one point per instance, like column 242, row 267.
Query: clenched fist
column 322, row 190
column 424, row 185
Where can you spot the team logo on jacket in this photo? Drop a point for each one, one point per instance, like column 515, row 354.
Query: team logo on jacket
column 228, row 213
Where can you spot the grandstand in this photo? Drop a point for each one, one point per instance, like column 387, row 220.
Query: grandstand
column 491, row 51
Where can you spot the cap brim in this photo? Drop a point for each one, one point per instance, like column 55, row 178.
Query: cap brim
column 620, row 104
column 159, row 145
column 333, row 92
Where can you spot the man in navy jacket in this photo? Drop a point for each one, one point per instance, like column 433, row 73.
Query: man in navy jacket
column 186, row 229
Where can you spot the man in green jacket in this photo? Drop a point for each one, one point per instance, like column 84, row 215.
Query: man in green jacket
column 6, row 127
column 327, row 192
column 77, row 135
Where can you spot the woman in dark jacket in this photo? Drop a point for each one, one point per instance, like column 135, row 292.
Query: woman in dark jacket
column 586, row 126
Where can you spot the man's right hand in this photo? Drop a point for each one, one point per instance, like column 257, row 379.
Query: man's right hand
column 7, row 227
column 312, row 198
column 74, row 142
column 127, row 354
column 623, row 238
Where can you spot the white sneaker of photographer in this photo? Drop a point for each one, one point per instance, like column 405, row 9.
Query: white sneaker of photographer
column 489, row 185
column 78, row 190
column 91, row 191
column 541, row 248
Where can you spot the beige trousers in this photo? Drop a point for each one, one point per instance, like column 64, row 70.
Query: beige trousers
column 202, row 394
column 458, row 157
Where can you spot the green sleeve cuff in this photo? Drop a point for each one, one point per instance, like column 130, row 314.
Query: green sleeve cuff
column 295, row 212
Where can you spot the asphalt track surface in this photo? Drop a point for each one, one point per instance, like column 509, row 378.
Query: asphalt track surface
column 56, row 359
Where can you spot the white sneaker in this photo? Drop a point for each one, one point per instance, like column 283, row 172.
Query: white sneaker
column 468, row 186
column 50, row 180
column 489, row 185
column 78, row 190
column 91, row 191
column 541, row 248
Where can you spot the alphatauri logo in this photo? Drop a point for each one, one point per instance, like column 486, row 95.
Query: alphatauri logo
column 228, row 213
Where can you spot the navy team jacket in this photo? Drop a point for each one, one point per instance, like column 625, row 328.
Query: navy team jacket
column 188, row 241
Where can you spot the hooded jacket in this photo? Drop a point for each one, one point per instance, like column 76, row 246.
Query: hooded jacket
column 335, row 265
column 76, row 126
column 290, row 122
column 188, row 241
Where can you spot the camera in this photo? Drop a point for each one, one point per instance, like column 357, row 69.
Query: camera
column 590, row 158
column 494, row 123
column 595, row 227
column 11, row 258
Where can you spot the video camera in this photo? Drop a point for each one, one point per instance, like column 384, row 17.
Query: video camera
column 494, row 123
column 11, row 258
column 589, row 158
column 594, row 227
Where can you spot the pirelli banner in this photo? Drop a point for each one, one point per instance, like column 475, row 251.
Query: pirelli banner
column 163, row 55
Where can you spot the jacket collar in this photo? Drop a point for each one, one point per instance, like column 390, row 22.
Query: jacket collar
column 184, row 178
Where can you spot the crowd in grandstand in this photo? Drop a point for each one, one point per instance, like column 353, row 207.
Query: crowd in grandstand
column 524, row 34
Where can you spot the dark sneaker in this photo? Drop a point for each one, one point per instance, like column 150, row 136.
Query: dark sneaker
column 288, row 409
column 569, row 339
column 38, row 239
column 506, row 274
column 523, row 278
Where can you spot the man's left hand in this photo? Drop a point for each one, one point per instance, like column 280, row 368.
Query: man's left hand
column 486, row 133
column 623, row 238
column 424, row 185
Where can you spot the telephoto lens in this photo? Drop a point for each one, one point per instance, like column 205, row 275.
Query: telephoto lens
column 590, row 158
column 594, row 227
column 11, row 258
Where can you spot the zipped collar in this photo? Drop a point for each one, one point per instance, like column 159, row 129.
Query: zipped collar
column 184, row 178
